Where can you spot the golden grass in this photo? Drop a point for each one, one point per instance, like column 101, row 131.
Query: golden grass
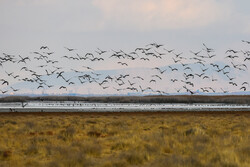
column 125, row 139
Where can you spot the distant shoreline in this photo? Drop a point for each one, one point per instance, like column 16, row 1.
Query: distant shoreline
column 232, row 99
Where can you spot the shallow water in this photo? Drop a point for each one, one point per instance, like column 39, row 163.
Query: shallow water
column 58, row 106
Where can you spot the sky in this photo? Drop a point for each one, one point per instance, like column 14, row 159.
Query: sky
column 26, row 25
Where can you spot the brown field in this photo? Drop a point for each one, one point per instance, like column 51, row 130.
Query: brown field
column 125, row 139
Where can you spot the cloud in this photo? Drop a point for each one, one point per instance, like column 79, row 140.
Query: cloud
column 162, row 14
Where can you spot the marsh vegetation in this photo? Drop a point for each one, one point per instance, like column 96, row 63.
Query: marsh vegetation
column 125, row 139
column 232, row 99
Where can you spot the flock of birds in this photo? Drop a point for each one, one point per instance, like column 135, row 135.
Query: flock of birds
column 42, row 66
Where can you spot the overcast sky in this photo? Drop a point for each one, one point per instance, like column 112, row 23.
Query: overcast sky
column 183, row 25
column 27, row 24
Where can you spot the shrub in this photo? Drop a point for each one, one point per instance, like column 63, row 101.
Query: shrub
column 32, row 149
column 5, row 154
column 94, row 134
column 134, row 158
column 91, row 149
column 30, row 125
column 177, row 161
column 119, row 146
column 66, row 134
column 70, row 131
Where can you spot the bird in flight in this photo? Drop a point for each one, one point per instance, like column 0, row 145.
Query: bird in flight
column 122, row 63
column 5, row 82
column 4, row 91
column 62, row 87
column 44, row 47
column 169, row 51
column 88, row 68
column 244, row 88
column 69, row 49
column 224, row 91
column 14, row 89
column 195, row 53
column 203, row 68
column 100, row 51
column 208, row 50
column 248, row 42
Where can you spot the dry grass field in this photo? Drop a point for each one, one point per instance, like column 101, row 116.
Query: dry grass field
column 125, row 139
